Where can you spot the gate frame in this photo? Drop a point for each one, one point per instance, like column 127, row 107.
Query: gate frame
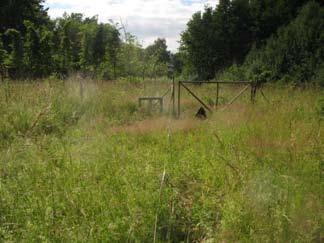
column 253, row 85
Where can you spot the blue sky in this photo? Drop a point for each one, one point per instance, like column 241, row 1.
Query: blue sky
column 147, row 19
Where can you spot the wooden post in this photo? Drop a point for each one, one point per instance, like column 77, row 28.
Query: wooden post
column 173, row 96
column 2, row 74
column 161, row 105
column 217, row 95
column 179, row 99
column 253, row 91
column 81, row 89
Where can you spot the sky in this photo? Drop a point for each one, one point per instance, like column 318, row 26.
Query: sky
column 147, row 19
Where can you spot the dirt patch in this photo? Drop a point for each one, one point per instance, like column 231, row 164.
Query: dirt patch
column 157, row 124
column 234, row 115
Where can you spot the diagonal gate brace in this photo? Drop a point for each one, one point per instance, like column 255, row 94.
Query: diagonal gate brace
column 236, row 97
column 197, row 98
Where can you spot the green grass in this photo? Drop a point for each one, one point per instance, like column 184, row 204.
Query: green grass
column 99, row 169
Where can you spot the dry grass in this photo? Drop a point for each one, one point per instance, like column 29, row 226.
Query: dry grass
column 157, row 125
column 89, row 170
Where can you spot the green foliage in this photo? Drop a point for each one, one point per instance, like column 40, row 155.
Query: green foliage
column 156, row 58
column 196, row 44
column 86, row 51
column 2, row 52
column 113, row 48
column 14, row 13
column 68, row 30
column 319, row 74
column 99, row 47
column 65, row 51
column 219, row 38
column 31, row 54
column 3, row 57
column 159, row 51
column 269, row 15
column 296, row 52
column 234, row 72
column 46, row 51
column 130, row 58
column 15, row 62
column 39, row 47
column 32, row 49
column 215, row 39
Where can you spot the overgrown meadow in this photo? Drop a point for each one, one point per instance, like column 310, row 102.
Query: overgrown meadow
column 88, row 165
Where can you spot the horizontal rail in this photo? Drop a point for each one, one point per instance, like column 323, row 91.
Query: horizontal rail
column 217, row 82
column 150, row 98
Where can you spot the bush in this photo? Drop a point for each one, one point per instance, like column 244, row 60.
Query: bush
column 294, row 53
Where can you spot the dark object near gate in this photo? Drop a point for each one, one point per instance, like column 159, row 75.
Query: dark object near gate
column 201, row 114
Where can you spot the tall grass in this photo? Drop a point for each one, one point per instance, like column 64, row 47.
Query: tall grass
column 101, row 169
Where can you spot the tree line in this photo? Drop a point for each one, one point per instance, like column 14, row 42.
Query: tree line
column 34, row 46
column 237, row 39
column 276, row 39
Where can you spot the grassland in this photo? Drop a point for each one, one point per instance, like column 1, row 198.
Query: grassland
column 99, row 169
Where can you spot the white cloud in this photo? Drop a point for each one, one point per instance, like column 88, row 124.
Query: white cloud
column 147, row 19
